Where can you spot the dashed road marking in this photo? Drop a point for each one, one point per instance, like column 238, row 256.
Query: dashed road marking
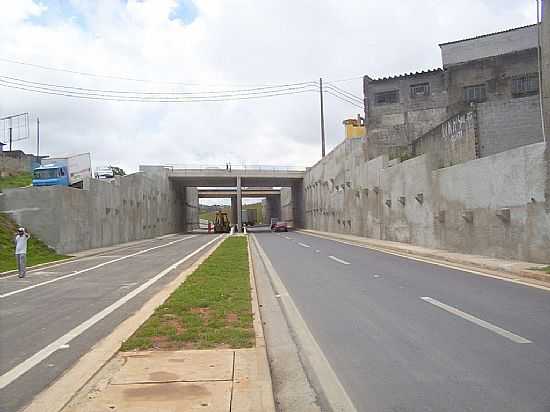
column 303, row 244
column 480, row 322
column 343, row 262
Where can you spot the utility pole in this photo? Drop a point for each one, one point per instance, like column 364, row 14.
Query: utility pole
column 10, row 135
column 322, row 118
column 37, row 136
column 539, row 58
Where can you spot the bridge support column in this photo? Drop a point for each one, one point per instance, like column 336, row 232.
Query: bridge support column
column 298, row 206
column 234, row 210
column 239, row 204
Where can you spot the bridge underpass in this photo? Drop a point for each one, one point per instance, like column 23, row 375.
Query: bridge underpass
column 242, row 179
column 271, row 199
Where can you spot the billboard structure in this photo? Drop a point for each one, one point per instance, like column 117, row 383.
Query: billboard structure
column 14, row 128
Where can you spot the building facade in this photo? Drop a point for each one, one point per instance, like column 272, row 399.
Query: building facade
column 495, row 76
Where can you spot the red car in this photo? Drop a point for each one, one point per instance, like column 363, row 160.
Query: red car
column 279, row 227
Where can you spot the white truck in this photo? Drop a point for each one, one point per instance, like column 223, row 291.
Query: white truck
column 63, row 171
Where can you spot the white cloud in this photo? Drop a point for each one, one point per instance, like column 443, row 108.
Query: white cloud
column 230, row 42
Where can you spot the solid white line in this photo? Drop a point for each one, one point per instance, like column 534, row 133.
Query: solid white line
column 303, row 244
column 429, row 261
column 43, row 354
column 502, row 332
column 332, row 388
column 78, row 272
column 339, row 260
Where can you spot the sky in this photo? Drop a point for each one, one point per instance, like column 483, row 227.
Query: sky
column 216, row 45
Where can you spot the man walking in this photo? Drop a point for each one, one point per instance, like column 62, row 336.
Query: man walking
column 21, row 250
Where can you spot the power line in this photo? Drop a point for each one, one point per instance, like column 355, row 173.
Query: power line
column 149, row 95
column 137, row 92
column 342, row 99
column 125, row 78
column 345, row 96
column 343, row 91
column 142, row 80
column 90, row 96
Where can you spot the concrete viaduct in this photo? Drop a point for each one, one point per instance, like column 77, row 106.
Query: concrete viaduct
column 245, row 182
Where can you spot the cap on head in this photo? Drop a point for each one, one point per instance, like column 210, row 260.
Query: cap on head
column 21, row 229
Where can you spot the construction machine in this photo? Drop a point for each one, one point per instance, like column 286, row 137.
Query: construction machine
column 221, row 223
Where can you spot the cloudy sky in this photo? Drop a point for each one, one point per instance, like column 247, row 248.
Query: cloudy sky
column 205, row 46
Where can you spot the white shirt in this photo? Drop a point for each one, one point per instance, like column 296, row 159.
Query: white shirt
column 21, row 244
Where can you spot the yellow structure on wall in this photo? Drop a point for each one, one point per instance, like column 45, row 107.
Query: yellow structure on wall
column 355, row 128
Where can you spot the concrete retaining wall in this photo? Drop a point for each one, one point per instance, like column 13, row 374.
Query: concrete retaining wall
column 132, row 207
column 454, row 141
column 495, row 206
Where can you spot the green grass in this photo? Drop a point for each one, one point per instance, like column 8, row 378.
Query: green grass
column 211, row 309
column 37, row 252
column 20, row 180
column 545, row 269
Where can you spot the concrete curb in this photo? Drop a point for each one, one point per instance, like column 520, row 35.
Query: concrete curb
column 267, row 400
column 62, row 391
column 530, row 277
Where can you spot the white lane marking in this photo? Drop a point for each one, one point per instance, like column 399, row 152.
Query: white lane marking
column 109, row 256
column 43, row 354
column 289, row 238
column 332, row 388
column 427, row 260
column 78, row 272
column 317, row 251
column 303, row 244
column 493, row 328
column 339, row 260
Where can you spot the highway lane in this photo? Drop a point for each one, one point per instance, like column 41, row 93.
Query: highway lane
column 405, row 335
column 49, row 303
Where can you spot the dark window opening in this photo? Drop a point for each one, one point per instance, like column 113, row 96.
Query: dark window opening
column 475, row 93
column 387, row 97
column 420, row 90
column 525, row 85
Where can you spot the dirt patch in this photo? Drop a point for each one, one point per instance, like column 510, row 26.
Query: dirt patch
column 231, row 318
column 165, row 392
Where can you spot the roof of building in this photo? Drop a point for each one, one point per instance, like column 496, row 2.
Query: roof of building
column 487, row 35
column 404, row 75
column 2, row 144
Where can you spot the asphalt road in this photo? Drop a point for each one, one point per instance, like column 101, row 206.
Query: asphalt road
column 39, row 310
column 408, row 336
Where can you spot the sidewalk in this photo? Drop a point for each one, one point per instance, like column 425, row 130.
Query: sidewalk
column 512, row 269
column 220, row 380
column 179, row 381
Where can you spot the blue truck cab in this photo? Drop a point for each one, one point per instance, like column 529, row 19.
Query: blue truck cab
column 53, row 174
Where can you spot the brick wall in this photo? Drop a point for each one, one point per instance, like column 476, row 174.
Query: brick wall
column 507, row 124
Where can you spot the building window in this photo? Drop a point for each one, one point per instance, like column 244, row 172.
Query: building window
column 475, row 93
column 387, row 97
column 525, row 85
column 420, row 90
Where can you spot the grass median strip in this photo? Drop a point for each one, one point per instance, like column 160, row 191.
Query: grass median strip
column 211, row 309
